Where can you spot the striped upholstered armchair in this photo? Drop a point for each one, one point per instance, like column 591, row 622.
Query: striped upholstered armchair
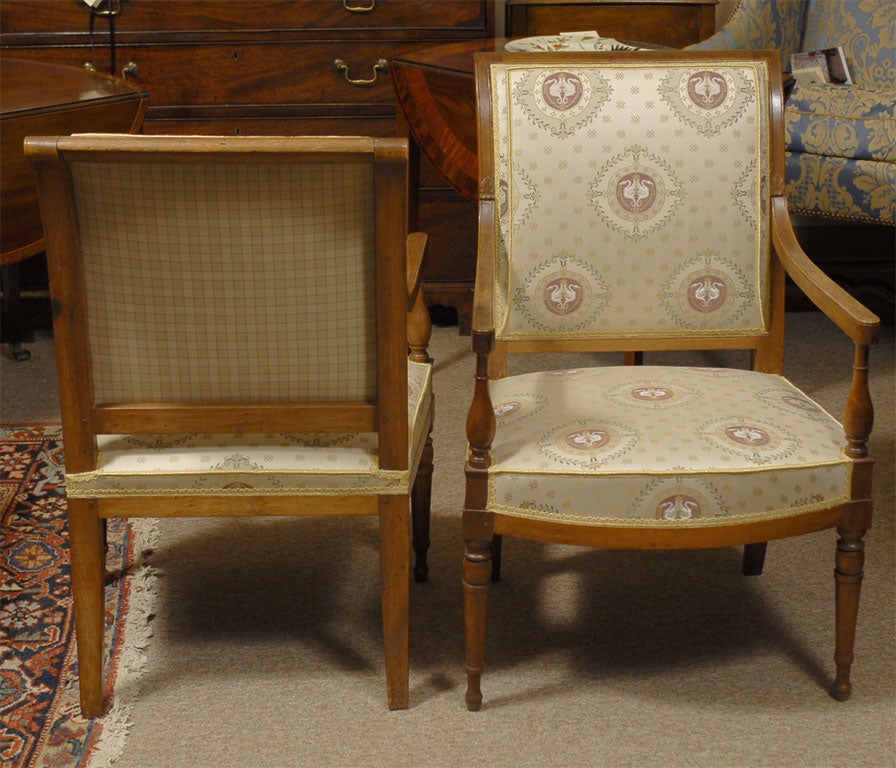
column 841, row 140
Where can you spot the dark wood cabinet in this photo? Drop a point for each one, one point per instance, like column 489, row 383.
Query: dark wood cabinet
column 675, row 23
column 266, row 67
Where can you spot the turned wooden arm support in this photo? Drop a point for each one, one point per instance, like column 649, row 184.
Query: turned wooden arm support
column 481, row 417
column 419, row 326
column 416, row 254
column 852, row 317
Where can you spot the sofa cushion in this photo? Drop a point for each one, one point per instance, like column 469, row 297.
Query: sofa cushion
column 860, row 190
column 842, row 121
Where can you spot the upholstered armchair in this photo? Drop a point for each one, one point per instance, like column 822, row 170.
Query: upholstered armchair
column 841, row 139
column 233, row 321
column 636, row 202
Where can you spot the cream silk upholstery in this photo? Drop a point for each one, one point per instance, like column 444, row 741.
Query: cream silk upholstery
column 632, row 203
column 628, row 206
column 278, row 464
column 655, row 256
column 628, row 444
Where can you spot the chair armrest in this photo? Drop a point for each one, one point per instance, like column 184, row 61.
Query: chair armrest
column 852, row 317
column 416, row 255
column 483, row 314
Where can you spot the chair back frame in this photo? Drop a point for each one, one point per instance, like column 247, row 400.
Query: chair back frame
column 766, row 348
column 83, row 418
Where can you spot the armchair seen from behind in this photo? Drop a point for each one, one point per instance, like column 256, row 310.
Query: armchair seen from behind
column 635, row 202
column 231, row 319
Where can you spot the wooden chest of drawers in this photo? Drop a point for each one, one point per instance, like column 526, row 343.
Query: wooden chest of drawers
column 675, row 23
column 247, row 66
column 264, row 67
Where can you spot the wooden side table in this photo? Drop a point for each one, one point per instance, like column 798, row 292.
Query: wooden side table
column 675, row 23
column 40, row 98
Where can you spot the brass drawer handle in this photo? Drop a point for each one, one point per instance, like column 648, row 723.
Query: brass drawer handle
column 381, row 66
column 359, row 8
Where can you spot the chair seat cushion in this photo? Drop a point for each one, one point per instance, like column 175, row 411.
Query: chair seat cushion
column 276, row 464
column 654, row 445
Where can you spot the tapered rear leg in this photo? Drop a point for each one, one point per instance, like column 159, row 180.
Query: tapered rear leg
column 754, row 559
column 497, row 547
column 394, row 566
column 421, row 504
column 848, row 576
column 88, row 581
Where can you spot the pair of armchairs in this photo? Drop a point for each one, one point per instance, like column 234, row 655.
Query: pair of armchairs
column 230, row 325
column 841, row 139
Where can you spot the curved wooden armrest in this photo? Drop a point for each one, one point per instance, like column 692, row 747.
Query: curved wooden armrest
column 483, row 316
column 852, row 317
column 416, row 255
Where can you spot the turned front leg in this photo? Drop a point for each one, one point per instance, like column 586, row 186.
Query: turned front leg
column 848, row 578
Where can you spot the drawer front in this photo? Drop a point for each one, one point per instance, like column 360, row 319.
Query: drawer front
column 669, row 24
column 251, row 74
column 213, row 18
column 328, row 125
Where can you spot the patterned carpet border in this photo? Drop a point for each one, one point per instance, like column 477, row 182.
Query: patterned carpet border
column 40, row 721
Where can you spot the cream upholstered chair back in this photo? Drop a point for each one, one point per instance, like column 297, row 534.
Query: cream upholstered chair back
column 631, row 197
column 223, row 282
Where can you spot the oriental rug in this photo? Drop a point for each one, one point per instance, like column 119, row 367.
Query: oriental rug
column 40, row 719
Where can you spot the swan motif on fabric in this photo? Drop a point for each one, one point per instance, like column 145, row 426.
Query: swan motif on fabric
column 635, row 189
column 710, row 87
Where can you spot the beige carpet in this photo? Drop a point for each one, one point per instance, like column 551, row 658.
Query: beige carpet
column 266, row 648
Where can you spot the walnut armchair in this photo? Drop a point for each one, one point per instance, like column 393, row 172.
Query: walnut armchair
column 231, row 320
column 635, row 202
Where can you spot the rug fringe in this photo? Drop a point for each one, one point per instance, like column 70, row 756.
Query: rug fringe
column 136, row 635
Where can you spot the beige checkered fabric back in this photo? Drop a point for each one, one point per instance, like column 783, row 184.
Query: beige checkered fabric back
column 229, row 282
column 633, row 198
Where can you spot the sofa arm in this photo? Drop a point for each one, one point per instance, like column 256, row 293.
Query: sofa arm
column 760, row 25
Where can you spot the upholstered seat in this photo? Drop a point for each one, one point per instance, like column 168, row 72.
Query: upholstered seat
column 247, row 464
column 622, row 443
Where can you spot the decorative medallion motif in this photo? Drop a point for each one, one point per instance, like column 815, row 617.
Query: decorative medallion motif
column 678, row 507
column 651, row 394
column 517, row 407
column 708, row 291
column 506, row 409
column 587, row 445
column 562, row 294
column 756, row 442
column 746, row 434
column 679, row 498
column 560, row 101
column 709, row 99
column 587, row 439
column 793, row 403
column 708, row 90
column 562, row 91
column 636, row 192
